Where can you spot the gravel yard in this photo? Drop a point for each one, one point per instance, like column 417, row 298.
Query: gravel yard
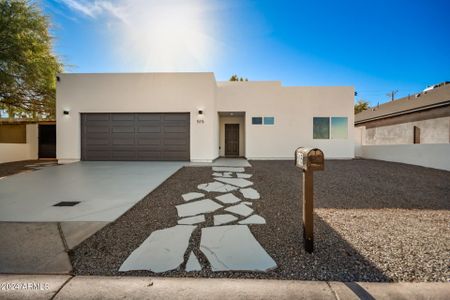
column 375, row 221
column 11, row 168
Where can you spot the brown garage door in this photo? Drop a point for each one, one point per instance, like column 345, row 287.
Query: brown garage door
column 135, row 136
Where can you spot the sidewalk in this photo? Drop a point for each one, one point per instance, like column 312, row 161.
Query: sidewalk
column 96, row 287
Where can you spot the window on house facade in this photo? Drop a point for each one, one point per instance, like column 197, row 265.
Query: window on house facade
column 321, row 128
column 269, row 120
column 257, row 120
column 339, row 127
column 13, row 133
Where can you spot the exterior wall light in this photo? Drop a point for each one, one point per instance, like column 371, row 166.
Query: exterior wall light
column 66, row 112
column 200, row 117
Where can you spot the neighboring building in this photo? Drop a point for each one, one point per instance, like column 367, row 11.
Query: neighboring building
column 423, row 118
column 190, row 116
column 25, row 140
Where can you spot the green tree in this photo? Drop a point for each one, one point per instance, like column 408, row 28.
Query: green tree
column 28, row 66
column 237, row 78
column 360, row 106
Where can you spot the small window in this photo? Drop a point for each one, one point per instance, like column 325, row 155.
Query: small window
column 269, row 120
column 257, row 120
column 321, row 128
column 339, row 128
column 13, row 133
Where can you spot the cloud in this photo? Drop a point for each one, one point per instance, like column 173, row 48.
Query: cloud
column 93, row 9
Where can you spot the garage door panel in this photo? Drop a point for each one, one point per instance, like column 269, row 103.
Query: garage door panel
column 122, row 142
column 98, row 155
column 123, row 129
column 149, row 155
column 156, row 142
column 122, row 123
column 122, row 117
column 144, row 129
column 149, row 117
column 98, row 124
column 175, row 117
column 175, row 142
column 121, row 137
column 97, row 117
column 173, row 148
column 97, row 129
column 97, row 135
column 97, row 142
column 175, row 136
column 123, row 155
column 135, row 136
column 175, row 129
column 149, row 136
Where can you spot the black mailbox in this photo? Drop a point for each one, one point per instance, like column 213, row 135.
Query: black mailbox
column 309, row 160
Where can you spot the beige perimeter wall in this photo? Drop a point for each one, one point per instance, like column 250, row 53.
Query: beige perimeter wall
column 26, row 151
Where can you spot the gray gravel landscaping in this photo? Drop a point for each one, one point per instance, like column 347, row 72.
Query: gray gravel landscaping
column 374, row 221
column 15, row 167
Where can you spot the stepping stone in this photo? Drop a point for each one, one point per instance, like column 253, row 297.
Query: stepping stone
column 192, row 196
column 162, row 251
column 228, row 169
column 224, row 219
column 254, row 219
column 192, row 220
column 240, row 182
column 243, row 175
column 193, row 264
column 234, row 248
column 250, row 193
column 225, row 174
column 197, row 207
column 228, row 198
column 240, row 209
column 216, row 187
column 247, row 203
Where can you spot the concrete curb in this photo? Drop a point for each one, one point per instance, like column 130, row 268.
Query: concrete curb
column 98, row 287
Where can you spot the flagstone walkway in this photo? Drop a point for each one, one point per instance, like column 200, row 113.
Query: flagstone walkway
column 228, row 245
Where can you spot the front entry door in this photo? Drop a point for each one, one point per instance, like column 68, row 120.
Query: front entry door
column 231, row 139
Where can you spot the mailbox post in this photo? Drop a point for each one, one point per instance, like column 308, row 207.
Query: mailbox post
column 309, row 160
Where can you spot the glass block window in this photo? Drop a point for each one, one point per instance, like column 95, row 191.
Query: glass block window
column 269, row 120
column 339, row 127
column 257, row 120
column 321, row 128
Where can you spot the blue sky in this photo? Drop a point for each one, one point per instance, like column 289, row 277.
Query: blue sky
column 375, row 46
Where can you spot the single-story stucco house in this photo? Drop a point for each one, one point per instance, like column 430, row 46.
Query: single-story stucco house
column 191, row 116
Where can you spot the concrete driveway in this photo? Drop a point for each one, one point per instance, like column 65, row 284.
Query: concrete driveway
column 105, row 190
column 36, row 235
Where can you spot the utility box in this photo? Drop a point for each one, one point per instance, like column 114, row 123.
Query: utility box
column 309, row 160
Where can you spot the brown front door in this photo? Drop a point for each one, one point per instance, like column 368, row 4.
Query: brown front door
column 231, row 139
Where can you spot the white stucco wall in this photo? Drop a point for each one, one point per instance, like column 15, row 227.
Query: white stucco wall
column 426, row 155
column 17, row 152
column 293, row 109
column 139, row 92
